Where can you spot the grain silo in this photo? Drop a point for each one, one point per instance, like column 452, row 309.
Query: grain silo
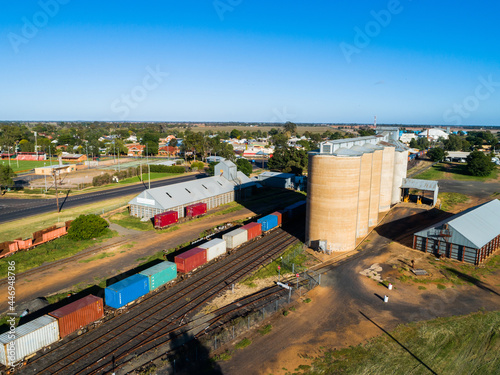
column 400, row 169
column 350, row 182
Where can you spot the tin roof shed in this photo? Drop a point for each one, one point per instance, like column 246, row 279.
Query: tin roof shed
column 472, row 228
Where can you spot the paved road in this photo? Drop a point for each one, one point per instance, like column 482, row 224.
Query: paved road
column 14, row 209
column 477, row 189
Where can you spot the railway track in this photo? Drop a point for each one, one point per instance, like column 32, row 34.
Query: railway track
column 145, row 326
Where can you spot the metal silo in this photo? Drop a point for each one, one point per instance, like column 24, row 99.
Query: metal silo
column 400, row 169
column 386, row 179
column 332, row 199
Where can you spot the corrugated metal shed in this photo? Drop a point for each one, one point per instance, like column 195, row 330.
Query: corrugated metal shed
column 473, row 228
column 410, row 183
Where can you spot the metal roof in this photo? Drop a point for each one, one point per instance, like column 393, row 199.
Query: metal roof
column 473, row 228
column 275, row 175
column 410, row 183
column 166, row 197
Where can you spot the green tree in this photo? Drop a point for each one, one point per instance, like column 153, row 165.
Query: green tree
column 235, row 133
column 479, row 164
column 85, row 227
column 453, row 143
column 244, row 166
column 173, row 142
column 288, row 159
column 6, row 176
column 436, row 154
column 211, row 168
column 290, row 127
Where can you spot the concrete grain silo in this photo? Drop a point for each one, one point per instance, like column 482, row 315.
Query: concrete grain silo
column 350, row 182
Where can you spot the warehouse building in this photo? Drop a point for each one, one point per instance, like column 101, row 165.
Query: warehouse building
column 227, row 185
column 350, row 182
column 471, row 236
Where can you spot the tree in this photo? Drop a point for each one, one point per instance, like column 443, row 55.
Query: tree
column 289, row 159
column 6, row 176
column 290, row 127
column 85, row 227
column 235, row 133
column 245, row 166
column 453, row 143
column 173, row 142
column 211, row 168
column 479, row 164
column 436, row 154
column 152, row 148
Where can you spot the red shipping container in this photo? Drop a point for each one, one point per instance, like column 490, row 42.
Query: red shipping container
column 253, row 230
column 196, row 209
column 278, row 214
column 166, row 218
column 78, row 314
column 191, row 259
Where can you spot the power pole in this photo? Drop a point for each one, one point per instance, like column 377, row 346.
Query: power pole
column 57, row 195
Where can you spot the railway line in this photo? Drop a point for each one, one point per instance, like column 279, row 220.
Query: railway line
column 151, row 323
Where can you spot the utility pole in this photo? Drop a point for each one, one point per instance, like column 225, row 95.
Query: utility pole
column 55, row 185
column 149, row 176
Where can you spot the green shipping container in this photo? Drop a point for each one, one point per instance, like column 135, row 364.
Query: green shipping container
column 160, row 274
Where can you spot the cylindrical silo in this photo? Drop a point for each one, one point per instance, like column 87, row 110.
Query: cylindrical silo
column 365, row 178
column 387, row 179
column 400, row 169
column 332, row 200
column 376, row 172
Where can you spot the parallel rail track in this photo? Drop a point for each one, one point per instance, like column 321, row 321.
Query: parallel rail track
column 150, row 323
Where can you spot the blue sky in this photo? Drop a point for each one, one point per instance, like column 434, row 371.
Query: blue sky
column 408, row 62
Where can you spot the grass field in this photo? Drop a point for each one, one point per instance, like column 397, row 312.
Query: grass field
column 26, row 165
column 60, row 248
column 25, row 227
column 455, row 171
column 145, row 177
column 131, row 222
column 449, row 200
column 457, row 345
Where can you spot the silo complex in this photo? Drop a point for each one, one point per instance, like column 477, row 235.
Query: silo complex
column 351, row 181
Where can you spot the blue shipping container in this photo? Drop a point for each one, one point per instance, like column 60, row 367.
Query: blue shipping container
column 268, row 222
column 160, row 274
column 126, row 290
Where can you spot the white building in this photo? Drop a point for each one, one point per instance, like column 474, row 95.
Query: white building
column 433, row 134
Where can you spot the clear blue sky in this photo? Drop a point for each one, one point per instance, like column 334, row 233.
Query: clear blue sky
column 418, row 62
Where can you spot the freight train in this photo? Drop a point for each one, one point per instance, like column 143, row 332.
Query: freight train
column 39, row 237
column 28, row 338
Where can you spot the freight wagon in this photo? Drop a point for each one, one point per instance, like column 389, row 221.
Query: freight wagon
column 165, row 219
column 196, row 209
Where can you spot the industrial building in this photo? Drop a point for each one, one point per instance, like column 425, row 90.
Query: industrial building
column 470, row 236
column 225, row 186
column 350, row 182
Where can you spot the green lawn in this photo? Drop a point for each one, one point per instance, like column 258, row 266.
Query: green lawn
column 455, row 171
column 458, row 345
column 60, row 248
column 449, row 200
column 145, row 177
column 26, row 165
column 131, row 222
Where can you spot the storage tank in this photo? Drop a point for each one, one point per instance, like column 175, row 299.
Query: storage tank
column 365, row 178
column 332, row 199
column 78, row 314
column 28, row 339
column 400, row 169
column 215, row 248
column 160, row 274
column 387, row 178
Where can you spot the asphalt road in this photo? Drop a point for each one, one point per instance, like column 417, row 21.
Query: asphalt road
column 14, row 209
column 477, row 189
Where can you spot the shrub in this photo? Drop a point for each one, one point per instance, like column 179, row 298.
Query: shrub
column 85, row 227
column 103, row 179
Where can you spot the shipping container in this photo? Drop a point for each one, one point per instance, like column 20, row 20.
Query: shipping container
column 78, row 314
column 126, row 291
column 196, row 209
column 160, row 274
column 268, row 222
column 279, row 216
column 253, row 230
column 215, row 248
column 166, row 218
column 235, row 238
column 295, row 209
column 191, row 259
column 28, row 339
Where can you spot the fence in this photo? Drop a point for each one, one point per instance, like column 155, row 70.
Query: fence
column 197, row 351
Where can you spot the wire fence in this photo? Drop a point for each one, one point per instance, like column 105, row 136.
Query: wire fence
column 199, row 350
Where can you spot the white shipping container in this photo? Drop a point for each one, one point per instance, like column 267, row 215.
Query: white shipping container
column 215, row 248
column 235, row 238
column 28, row 339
